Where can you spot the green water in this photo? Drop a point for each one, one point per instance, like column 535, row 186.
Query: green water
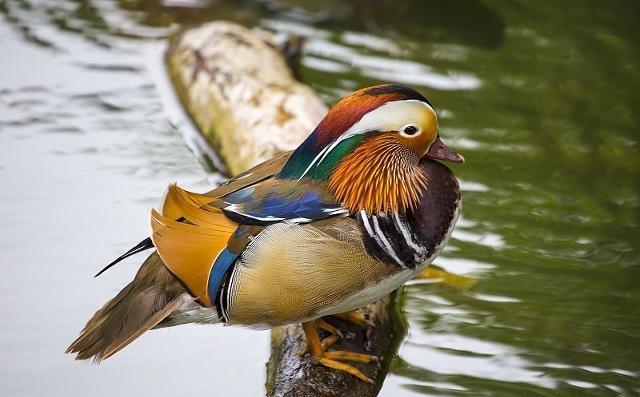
column 540, row 97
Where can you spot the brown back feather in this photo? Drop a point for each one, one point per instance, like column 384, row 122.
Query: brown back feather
column 152, row 295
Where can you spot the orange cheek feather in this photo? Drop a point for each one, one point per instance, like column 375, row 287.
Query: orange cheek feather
column 382, row 174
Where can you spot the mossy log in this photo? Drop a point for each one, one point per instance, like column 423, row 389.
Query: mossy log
column 240, row 93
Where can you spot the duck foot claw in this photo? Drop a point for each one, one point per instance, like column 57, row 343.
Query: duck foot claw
column 326, row 343
column 329, row 341
column 333, row 359
column 355, row 317
column 350, row 356
column 344, row 367
column 329, row 328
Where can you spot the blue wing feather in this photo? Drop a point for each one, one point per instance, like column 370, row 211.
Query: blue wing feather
column 223, row 262
column 269, row 204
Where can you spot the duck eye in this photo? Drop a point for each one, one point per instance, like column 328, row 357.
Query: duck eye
column 410, row 130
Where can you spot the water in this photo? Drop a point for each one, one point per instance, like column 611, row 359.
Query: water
column 540, row 98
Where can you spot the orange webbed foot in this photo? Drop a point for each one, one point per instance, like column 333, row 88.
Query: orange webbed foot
column 333, row 359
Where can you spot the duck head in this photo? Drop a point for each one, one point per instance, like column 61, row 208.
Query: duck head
column 368, row 147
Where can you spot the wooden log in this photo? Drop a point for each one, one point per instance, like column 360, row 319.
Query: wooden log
column 290, row 375
column 240, row 93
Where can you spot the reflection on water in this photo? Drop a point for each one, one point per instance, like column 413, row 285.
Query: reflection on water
column 354, row 54
column 540, row 101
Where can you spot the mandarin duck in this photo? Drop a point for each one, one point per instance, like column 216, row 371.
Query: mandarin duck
column 358, row 209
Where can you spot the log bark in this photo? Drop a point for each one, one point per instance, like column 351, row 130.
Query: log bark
column 240, row 93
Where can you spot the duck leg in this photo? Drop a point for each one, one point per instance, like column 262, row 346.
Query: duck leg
column 326, row 343
column 331, row 339
column 334, row 359
column 354, row 317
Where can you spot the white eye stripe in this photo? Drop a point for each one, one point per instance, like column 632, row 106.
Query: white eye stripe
column 387, row 116
column 384, row 118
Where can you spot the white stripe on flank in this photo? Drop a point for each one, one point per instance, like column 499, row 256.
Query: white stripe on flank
column 230, row 291
column 385, row 243
column 365, row 222
column 406, row 235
